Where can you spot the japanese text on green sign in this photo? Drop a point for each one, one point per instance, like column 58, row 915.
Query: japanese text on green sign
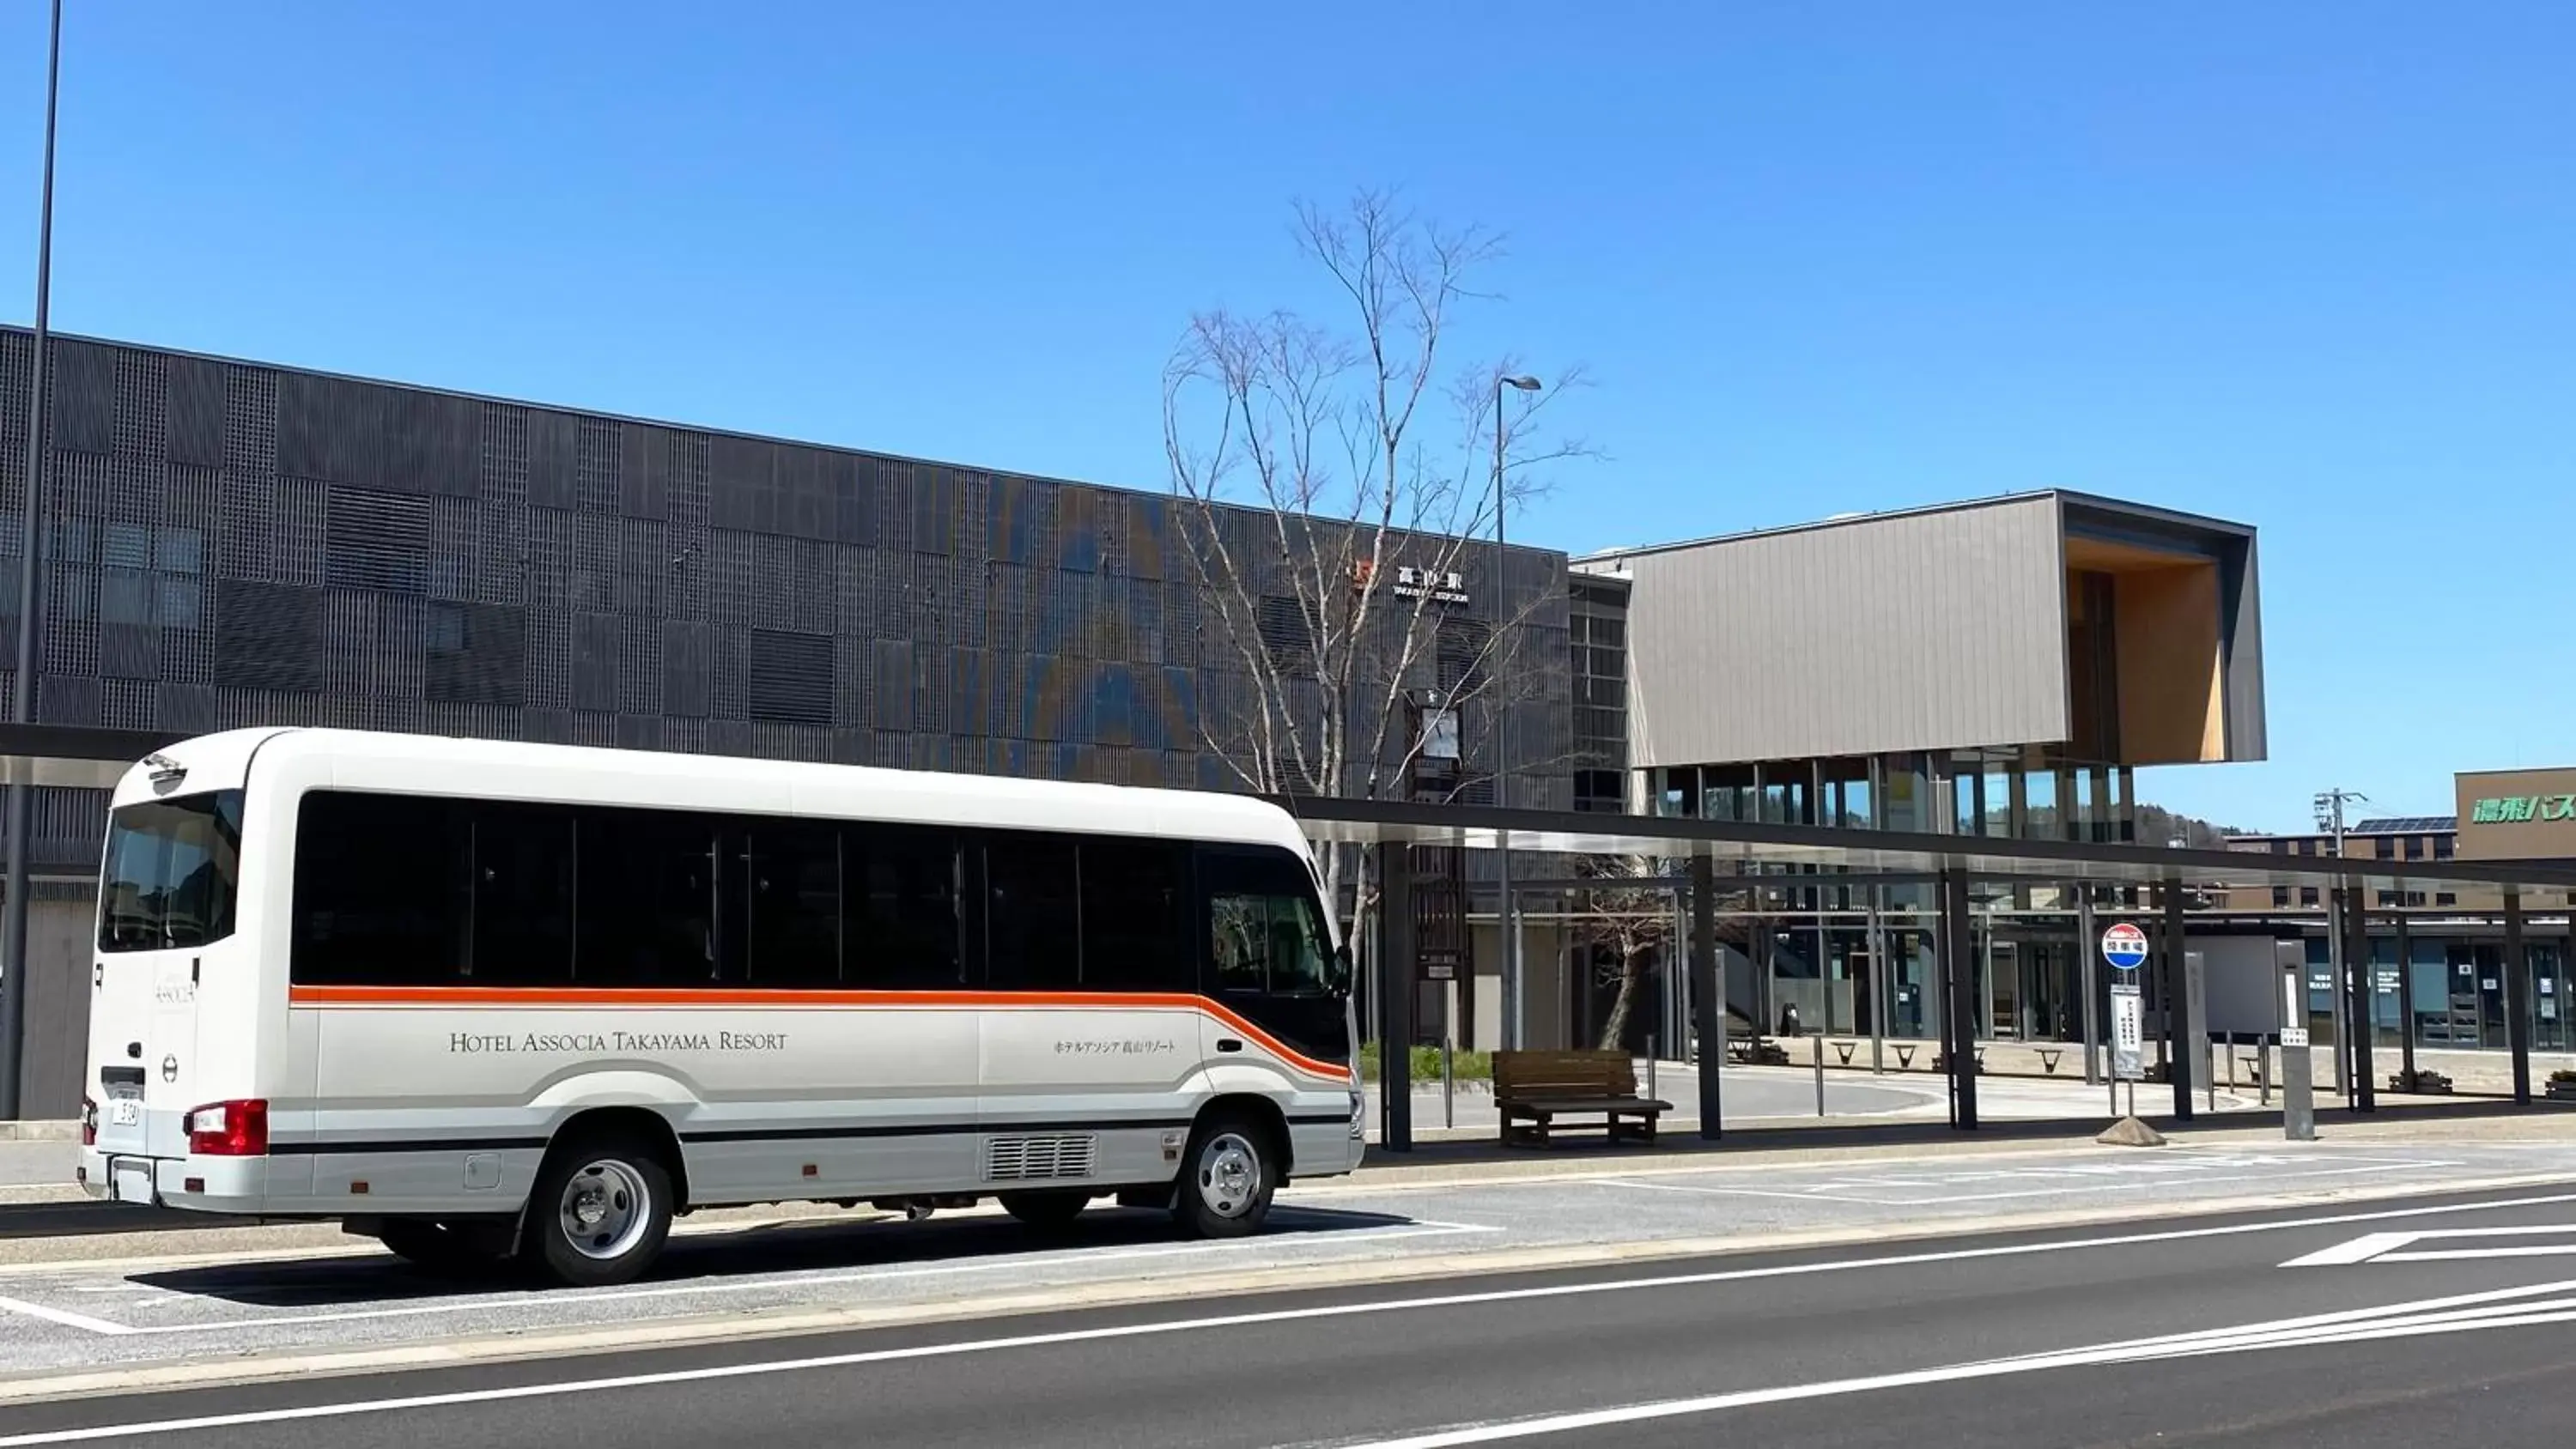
column 2523, row 809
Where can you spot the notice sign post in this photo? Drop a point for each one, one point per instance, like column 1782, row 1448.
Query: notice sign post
column 2124, row 947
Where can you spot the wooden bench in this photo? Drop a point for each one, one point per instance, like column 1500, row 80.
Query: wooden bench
column 1533, row 1089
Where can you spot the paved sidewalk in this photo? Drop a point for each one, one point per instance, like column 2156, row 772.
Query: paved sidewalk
column 735, row 1274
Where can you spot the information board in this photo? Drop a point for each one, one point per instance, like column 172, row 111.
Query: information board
column 2128, row 1033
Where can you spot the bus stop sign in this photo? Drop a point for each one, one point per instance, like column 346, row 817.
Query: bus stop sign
column 2125, row 947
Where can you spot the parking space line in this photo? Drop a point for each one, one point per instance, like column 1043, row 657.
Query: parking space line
column 1420, row 1228
column 64, row 1317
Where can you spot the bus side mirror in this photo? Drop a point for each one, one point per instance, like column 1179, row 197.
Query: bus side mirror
column 1337, row 976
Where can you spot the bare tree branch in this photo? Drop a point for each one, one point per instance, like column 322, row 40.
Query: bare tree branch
column 1315, row 462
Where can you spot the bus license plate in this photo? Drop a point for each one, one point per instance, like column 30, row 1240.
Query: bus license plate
column 124, row 1111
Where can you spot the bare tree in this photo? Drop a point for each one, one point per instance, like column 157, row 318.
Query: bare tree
column 1626, row 914
column 1334, row 479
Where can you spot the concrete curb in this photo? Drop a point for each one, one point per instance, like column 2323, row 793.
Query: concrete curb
column 791, row 1323
column 39, row 1131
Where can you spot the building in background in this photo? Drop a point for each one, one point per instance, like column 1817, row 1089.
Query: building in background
column 2437, row 955
column 232, row 543
column 1992, row 668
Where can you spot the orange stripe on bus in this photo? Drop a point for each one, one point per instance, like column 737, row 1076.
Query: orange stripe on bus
column 509, row 996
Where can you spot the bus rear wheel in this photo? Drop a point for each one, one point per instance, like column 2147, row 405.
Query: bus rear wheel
column 600, row 1213
column 1227, row 1178
column 1050, row 1209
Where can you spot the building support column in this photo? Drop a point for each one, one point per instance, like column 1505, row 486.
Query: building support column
column 2087, row 960
column 1708, row 995
column 1395, row 964
column 2517, row 996
column 2173, row 985
column 2405, row 994
column 2362, row 1008
column 1959, row 1000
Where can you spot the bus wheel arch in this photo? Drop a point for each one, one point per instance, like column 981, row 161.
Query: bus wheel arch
column 1261, row 1112
column 1236, row 1159
column 605, row 1197
column 642, row 1125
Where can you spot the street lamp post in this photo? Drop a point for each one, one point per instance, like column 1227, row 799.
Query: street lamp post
column 1515, row 1028
column 2353, row 1006
column 13, row 913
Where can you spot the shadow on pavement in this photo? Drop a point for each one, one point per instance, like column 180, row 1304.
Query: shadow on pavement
column 68, row 1219
column 852, row 1244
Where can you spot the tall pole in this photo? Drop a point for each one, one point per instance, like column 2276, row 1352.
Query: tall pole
column 2351, row 1007
column 22, row 698
column 1515, row 1011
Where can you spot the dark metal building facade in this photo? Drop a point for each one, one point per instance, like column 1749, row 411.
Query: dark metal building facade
column 230, row 543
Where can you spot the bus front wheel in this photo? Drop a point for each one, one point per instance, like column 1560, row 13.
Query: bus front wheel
column 1228, row 1175
column 600, row 1213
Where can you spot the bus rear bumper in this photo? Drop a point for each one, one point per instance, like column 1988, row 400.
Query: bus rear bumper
column 192, row 1184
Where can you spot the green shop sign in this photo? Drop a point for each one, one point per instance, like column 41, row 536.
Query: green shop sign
column 2523, row 809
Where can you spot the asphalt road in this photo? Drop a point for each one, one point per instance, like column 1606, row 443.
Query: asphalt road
column 2421, row 1321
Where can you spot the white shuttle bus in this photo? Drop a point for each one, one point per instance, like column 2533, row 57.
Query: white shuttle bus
column 484, row 1000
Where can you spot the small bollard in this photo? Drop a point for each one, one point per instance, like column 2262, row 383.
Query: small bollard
column 1819, row 1040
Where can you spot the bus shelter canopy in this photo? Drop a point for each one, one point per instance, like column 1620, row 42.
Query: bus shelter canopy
column 1760, row 848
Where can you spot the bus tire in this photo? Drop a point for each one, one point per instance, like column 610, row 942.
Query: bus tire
column 448, row 1247
column 600, row 1212
column 1054, row 1209
column 1227, row 1177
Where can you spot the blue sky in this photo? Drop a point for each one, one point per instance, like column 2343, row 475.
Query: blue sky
column 2307, row 265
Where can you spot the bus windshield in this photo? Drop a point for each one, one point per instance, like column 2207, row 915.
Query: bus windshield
column 172, row 873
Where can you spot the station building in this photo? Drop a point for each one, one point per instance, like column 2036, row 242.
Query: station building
column 231, row 543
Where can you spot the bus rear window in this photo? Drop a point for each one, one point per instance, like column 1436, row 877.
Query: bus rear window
column 172, row 873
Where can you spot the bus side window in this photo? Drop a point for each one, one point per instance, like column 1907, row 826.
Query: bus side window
column 794, row 894
column 382, row 890
column 1134, row 930
column 899, row 908
column 647, row 899
column 1033, row 926
column 523, row 894
column 1265, row 935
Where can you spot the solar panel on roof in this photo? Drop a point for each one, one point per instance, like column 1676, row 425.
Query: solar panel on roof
column 2407, row 825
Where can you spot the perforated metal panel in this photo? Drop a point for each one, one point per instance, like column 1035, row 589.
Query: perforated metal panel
column 242, row 545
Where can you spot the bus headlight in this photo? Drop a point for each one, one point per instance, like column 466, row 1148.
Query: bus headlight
column 1359, row 1114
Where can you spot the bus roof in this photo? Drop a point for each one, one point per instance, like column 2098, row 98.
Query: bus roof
column 577, row 774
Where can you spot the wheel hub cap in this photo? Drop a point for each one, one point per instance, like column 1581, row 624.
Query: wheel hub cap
column 1229, row 1173
column 605, row 1210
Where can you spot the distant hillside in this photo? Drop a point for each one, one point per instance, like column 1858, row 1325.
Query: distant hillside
column 2159, row 826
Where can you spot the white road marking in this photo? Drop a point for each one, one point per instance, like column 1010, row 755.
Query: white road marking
column 2169, row 1346
column 63, row 1316
column 2384, row 1247
column 2393, row 1321
column 1420, row 1228
column 2195, row 1178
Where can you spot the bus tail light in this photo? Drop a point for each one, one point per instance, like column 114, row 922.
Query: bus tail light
column 229, row 1129
column 89, row 1123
